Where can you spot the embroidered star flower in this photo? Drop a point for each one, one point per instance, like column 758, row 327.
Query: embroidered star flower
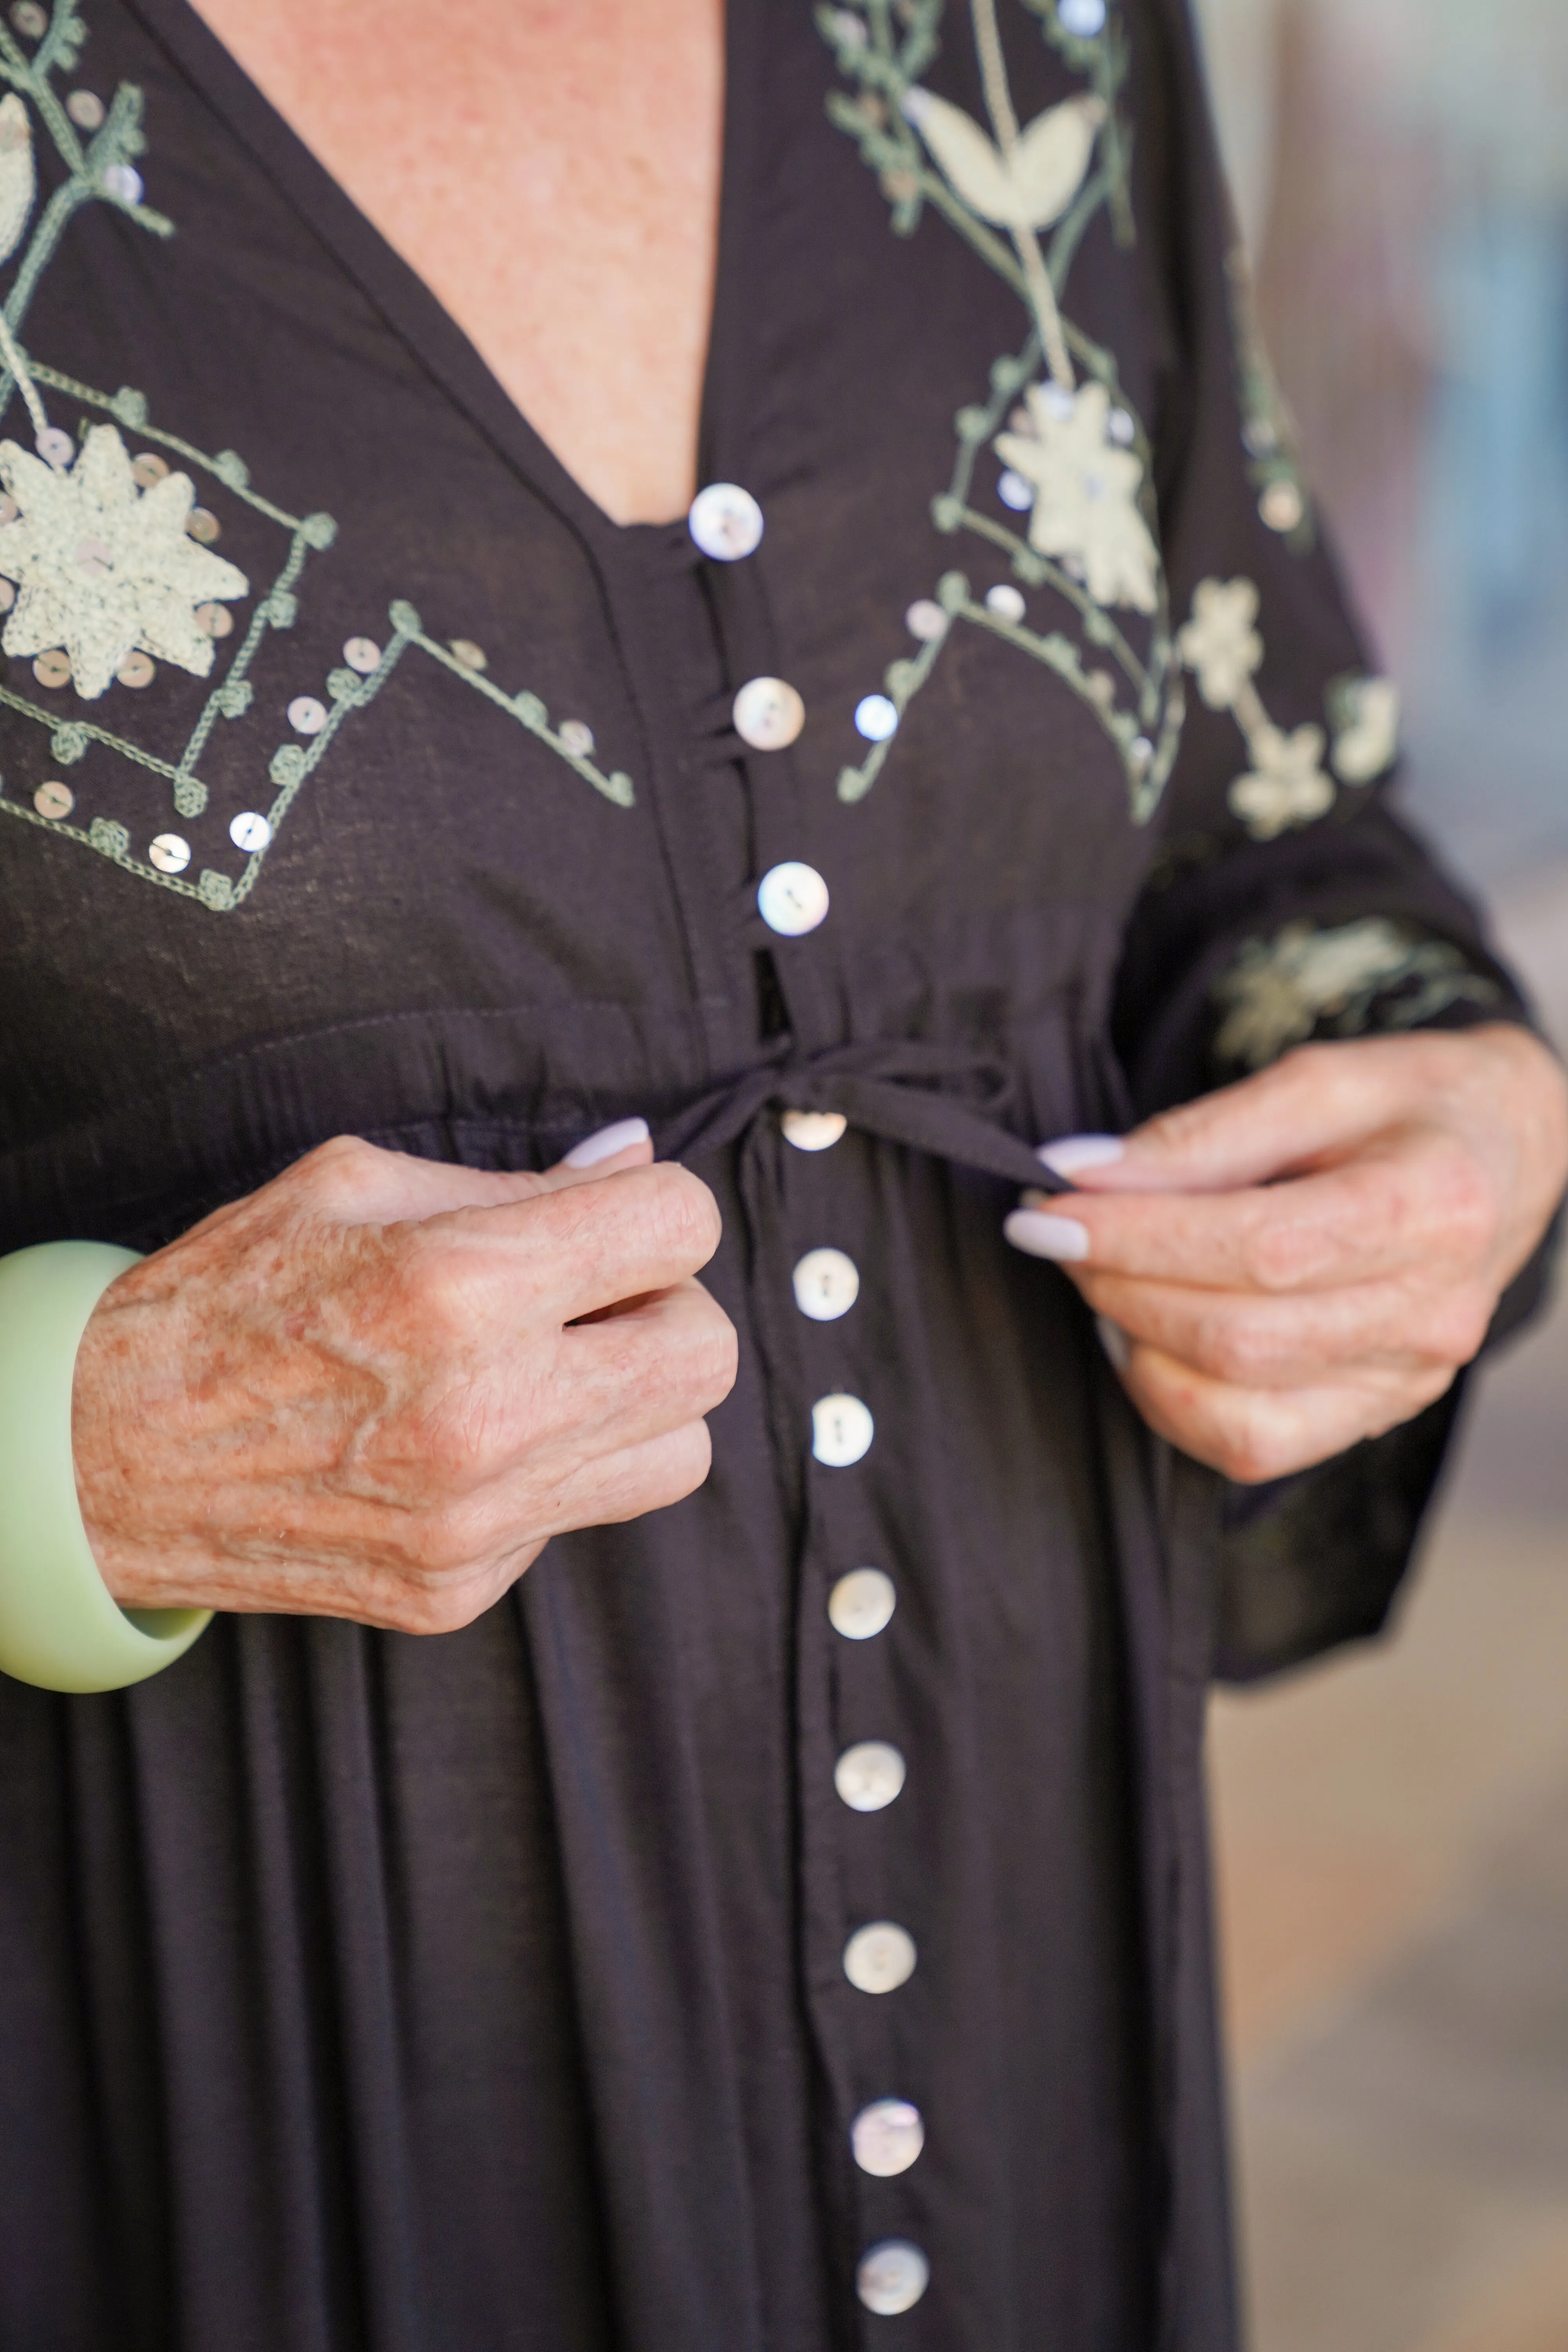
column 1286, row 785
column 1086, row 493
column 102, row 568
column 1219, row 642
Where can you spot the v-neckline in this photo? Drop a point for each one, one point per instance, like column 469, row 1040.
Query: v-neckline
column 422, row 320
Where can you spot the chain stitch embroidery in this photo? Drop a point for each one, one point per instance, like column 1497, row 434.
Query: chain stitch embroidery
column 1352, row 978
column 1286, row 784
column 100, row 543
column 1076, row 453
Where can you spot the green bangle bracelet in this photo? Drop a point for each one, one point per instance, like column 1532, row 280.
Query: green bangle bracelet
column 60, row 1627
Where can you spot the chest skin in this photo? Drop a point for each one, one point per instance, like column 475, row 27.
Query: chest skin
column 551, row 173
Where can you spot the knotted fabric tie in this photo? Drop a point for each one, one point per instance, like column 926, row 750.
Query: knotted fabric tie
column 900, row 1088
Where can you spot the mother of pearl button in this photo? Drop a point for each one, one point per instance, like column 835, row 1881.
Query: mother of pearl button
column 768, row 713
column 827, row 1285
column 792, row 899
column 841, row 1431
column 869, row 1775
column 886, row 2136
column 880, row 1957
column 861, row 1604
column 725, row 522
column 891, row 2277
column 813, row 1130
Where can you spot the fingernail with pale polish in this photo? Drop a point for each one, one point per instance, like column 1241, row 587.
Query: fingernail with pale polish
column 608, row 1142
column 1062, row 1238
column 1072, row 1153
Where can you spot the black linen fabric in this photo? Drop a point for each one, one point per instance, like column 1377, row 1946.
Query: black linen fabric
column 489, row 1991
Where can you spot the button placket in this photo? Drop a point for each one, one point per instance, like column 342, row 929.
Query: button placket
column 878, row 1956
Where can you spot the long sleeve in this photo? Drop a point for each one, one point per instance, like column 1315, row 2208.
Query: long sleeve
column 1286, row 899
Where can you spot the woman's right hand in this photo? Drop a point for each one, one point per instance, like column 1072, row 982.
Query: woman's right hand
column 375, row 1387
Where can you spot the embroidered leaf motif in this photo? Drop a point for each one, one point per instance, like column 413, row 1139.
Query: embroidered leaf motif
column 1026, row 189
column 103, row 568
column 1086, row 493
column 17, row 184
column 1352, row 978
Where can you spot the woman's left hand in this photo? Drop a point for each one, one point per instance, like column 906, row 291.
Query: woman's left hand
column 1307, row 1257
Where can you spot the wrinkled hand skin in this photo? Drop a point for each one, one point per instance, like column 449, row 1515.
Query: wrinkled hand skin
column 375, row 1387
column 1307, row 1257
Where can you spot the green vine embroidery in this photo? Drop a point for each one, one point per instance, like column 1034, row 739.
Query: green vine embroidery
column 1286, row 784
column 1268, row 429
column 1356, row 977
column 109, row 555
column 1074, row 452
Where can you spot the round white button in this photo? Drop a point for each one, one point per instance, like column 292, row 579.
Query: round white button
column 841, row 1431
column 880, row 1957
column 886, row 2136
column 362, row 653
column 1005, row 601
column 827, row 1285
column 306, row 715
column 876, row 718
column 53, row 799
column 813, row 1130
column 1014, row 491
column 250, row 830
column 122, row 180
column 891, row 2277
column 169, row 854
column 925, row 620
column 768, row 713
column 869, row 1775
column 861, row 1604
column 792, row 899
column 1084, row 17
column 726, row 521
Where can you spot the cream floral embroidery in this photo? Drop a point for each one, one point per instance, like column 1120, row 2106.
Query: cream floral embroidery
column 105, row 568
column 1220, row 642
column 1086, row 493
column 1366, row 715
column 1355, row 977
column 1286, row 785
column 109, row 578
column 1054, row 414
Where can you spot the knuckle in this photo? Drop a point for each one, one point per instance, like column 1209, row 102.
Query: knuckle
column 339, row 1173
column 1235, row 1348
column 1276, row 1253
column 439, row 1544
column 1459, row 1326
column 1466, row 1208
column 684, row 1212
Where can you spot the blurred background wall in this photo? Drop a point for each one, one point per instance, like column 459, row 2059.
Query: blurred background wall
column 1393, row 1826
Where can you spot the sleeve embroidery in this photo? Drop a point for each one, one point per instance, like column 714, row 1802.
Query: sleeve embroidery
column 1350, row 980
column 106, row 563
column 1286, row 784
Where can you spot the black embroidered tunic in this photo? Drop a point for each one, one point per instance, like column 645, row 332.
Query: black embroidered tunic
column 515, row 1987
